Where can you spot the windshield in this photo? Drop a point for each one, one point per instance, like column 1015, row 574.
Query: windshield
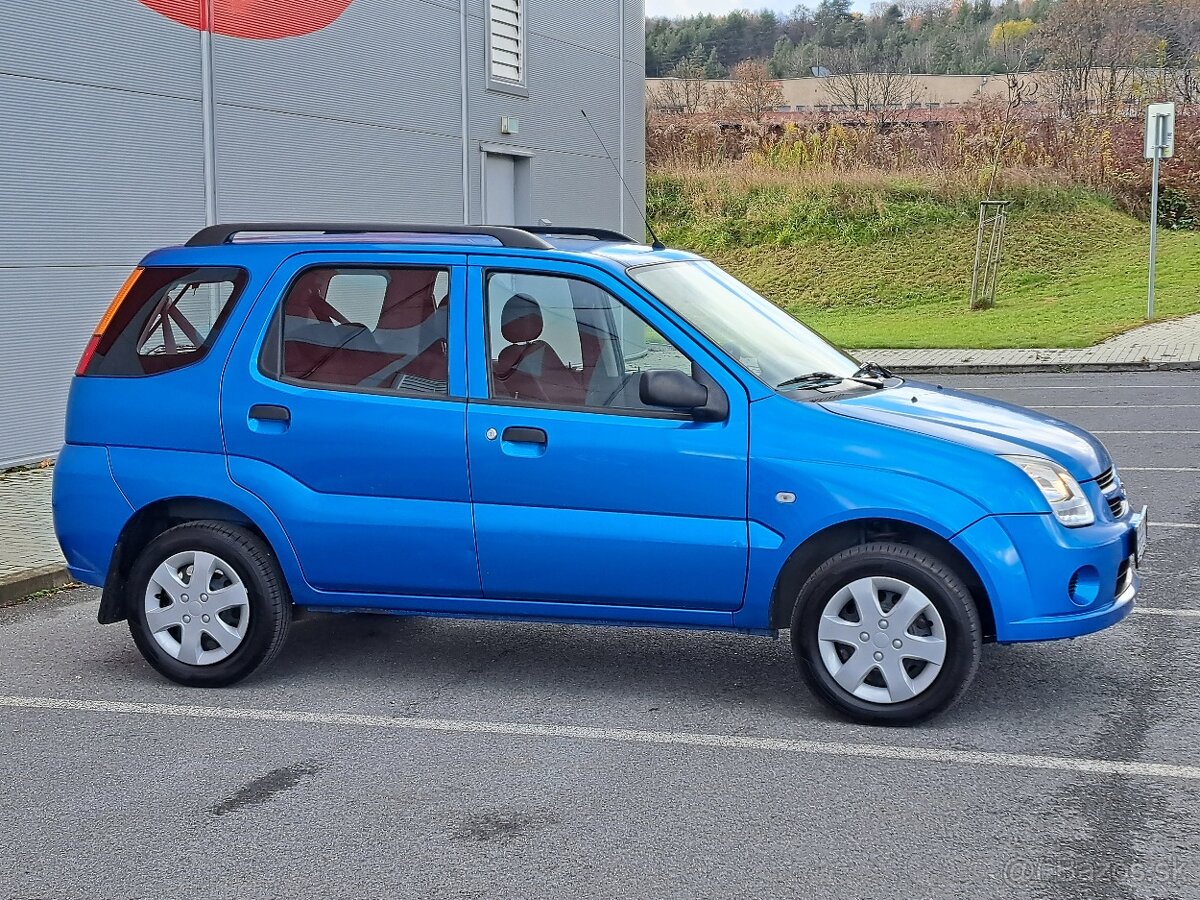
column 772, row 345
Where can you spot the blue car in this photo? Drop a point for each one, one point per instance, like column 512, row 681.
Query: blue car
column 560, row 425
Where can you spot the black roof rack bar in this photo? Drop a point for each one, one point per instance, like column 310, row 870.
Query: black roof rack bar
column 600, row 234
column 214, row 235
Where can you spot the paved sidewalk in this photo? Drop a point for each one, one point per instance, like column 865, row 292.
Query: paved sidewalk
column 30, row 560
column 1174, row 344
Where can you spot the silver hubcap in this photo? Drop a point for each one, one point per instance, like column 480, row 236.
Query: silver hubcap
column 882, row 640
column 197, row 608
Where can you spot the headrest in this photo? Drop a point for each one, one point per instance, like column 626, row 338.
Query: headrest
column 408, row 300
column 306, row 299
column 521, row 320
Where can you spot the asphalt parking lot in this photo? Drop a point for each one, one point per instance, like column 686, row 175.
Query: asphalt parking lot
column 423, row 758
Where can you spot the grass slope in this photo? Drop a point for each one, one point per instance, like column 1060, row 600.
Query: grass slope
column 887, row 263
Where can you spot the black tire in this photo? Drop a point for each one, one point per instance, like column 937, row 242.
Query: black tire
column 949, row 597
column 270, row 603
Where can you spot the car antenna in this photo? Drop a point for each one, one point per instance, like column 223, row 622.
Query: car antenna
column 657, row 244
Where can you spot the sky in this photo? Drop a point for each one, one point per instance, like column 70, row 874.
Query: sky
column 693, row 7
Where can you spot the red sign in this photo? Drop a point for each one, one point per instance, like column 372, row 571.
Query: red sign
column 261, row 19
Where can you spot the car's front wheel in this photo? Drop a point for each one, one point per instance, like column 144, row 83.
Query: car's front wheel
column 886, row 633
column 207, row 604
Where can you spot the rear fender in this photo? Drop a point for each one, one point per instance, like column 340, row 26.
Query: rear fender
column 176, row 486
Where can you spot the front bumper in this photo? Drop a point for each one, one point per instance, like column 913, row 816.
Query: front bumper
column 1046, row 581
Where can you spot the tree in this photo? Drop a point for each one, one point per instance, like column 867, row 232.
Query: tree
column 1010, row 33
column 831, row 18
column 1179, row 48
column 752, row 93
column 925, row 35
column 686, row 89
column 713, row 67
column 1011, row 39
column 874, row 87
column 1091, row 50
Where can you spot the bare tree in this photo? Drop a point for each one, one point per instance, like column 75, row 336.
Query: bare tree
column 876, row 88
column 752, row 92
column 924, row 9
column 1091, row 50
column 685, row 90
column 1179, row 48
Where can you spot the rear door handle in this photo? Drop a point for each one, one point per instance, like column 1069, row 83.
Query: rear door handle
column 522, row 434
column 269, row 412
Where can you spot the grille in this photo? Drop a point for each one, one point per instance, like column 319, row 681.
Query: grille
column 1114, row 493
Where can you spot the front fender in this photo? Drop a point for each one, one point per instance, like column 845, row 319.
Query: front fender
column 828, row 495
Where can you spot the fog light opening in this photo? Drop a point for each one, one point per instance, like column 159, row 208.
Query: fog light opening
column 1084, row 586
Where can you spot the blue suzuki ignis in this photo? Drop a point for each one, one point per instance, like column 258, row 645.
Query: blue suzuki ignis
column 559, row 425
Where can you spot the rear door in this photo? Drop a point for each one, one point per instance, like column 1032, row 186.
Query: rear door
column 343, row 408
column 582, row 494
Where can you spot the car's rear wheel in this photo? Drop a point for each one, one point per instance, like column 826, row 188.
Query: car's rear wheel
column 886, row 634
column 207, row 604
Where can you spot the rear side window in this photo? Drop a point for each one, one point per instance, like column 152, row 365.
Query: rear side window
column 364, row 329
column 166, row 319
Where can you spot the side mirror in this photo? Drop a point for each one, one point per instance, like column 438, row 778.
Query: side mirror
column 672, row 389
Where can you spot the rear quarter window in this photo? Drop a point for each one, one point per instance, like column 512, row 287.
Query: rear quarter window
column 168, row 319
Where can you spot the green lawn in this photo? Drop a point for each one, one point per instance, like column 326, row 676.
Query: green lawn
column 1074, row 271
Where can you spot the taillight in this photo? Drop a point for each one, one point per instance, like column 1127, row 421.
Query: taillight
column 98, row 334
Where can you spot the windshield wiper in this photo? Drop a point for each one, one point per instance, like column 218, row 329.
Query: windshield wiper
column 811, row 380
column 872, row 370
column 870, row 374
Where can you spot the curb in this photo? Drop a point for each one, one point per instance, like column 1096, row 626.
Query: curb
column 1043, row 367
column 15, row 588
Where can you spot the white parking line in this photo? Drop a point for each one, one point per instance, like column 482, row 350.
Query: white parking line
column 1138, row 406
column 1080, row 387
column 1163, row 611
column 888, row 753
column 1158, row 469
column 1146, row 432
column 1154, row 524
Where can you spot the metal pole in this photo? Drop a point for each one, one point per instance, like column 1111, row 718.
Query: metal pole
column 621, row 101
column 208, row 114
column 463, row 87
column 1158, row 124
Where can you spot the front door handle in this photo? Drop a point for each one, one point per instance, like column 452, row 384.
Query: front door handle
column 522, row 434
column 269, row 412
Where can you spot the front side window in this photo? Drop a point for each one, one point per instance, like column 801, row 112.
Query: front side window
column 378, row 329
column 767, row 341
column 168, row 319
column 567, row 342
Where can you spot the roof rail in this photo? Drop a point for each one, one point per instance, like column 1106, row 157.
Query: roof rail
column 600, row 234
column 215, row 235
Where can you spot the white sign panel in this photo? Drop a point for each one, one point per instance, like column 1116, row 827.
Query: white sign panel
column 1160, row 130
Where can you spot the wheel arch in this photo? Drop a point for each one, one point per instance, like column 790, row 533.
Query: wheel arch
column 149, row 522
column 804, row 560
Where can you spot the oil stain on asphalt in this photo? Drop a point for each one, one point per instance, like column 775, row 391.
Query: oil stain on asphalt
column 499, row 826
column 260, row 790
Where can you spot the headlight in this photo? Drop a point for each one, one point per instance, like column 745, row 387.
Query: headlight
column 1061, row 490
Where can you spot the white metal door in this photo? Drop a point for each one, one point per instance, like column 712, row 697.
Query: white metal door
column 499, row 189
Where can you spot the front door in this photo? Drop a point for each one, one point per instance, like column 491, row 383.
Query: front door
column 344, row 410
column 582, row 493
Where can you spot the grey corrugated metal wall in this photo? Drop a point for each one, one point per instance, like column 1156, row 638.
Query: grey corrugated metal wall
column 101, row 153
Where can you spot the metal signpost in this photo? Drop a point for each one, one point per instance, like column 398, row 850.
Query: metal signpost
column 1160, row 145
